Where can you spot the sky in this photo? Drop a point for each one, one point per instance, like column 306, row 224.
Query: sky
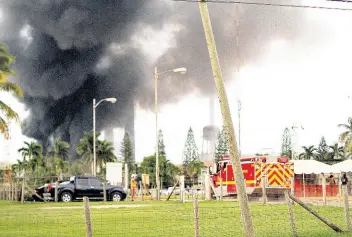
column 295, row 82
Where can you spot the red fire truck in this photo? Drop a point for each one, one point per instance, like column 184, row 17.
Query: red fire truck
column 277, row 173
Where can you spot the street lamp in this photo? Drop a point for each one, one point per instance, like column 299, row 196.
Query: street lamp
column 293, row 128
column 95, row 105
column 180, row 70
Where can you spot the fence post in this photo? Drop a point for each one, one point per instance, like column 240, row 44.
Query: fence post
column 340, row 189
column 22, row 190
column 182, row 188
column 9, row 192
column 207, row 188
column 221, row 191
column 87, row 216
column 16, row 192
column 104, row 190
column 323, row 183
column 290, row 212
column 12, row 191
column 56, row 191
column 196, row 217
column 347, row 208
column 304, row 187
column 126, row 177
column 142, row 190
column 264, row 189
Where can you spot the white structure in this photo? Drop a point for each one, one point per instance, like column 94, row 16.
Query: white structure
column 210, row 134
column 344, row 166
column 311, row 167
column 114, row 173
column 116, row 139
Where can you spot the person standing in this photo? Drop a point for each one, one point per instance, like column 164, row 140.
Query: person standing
column 133, row 187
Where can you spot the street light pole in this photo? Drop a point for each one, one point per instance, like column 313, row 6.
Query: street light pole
column 293, row 139
column 180, row 70
column 156, row 75
column 95, row 105
column 94, row 151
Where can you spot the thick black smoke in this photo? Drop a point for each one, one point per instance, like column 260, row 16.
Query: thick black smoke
column 79, row 50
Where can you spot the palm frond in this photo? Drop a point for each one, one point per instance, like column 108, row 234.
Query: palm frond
column 10, row 87
column 344, row 135
column 4, row 127
column 8, row 112
column 345, row 126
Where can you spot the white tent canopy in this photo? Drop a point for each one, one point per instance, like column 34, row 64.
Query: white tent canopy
column 344, row 166
column 311, row 167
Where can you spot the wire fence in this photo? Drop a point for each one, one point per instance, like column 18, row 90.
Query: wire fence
column 152, row 218
column 181, row 215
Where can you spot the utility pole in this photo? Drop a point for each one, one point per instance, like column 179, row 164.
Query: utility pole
column 226, row 115
column 239, row 127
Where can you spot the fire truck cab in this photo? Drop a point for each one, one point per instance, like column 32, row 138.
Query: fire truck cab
column 275, row 174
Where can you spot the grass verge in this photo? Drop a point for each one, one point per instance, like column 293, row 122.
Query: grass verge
column 161, row 219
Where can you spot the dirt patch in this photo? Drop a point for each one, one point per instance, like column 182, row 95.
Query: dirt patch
column 97, row 206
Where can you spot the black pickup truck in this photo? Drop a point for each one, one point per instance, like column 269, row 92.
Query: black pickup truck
column 78, row 187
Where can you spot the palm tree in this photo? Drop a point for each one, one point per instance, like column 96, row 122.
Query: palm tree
column 85, row 147
column 61, row 166
column 104, row 150
column 346, row 136
column 20, row 167
column 308, row 154
column 163, row 166
column 59, row 156
column 337, row 152
column 105, row 153
column 33, row 153
column 6, row 59
column 61, row 149
column 194, row 168
column 173, row 171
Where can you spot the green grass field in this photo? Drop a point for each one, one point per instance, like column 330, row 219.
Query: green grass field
column 160, row 219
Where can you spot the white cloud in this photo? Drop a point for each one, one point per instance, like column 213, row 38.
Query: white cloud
column 26, row 35
column 8, row 148
column 154, row 43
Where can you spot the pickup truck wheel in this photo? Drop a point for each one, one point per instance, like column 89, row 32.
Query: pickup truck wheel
column 116, row 196
column 66, row 197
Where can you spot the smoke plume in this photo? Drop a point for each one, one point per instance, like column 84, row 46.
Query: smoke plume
column 69, row 52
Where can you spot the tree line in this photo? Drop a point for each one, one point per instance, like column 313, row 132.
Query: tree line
column 337, row 151
column 55, row 164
